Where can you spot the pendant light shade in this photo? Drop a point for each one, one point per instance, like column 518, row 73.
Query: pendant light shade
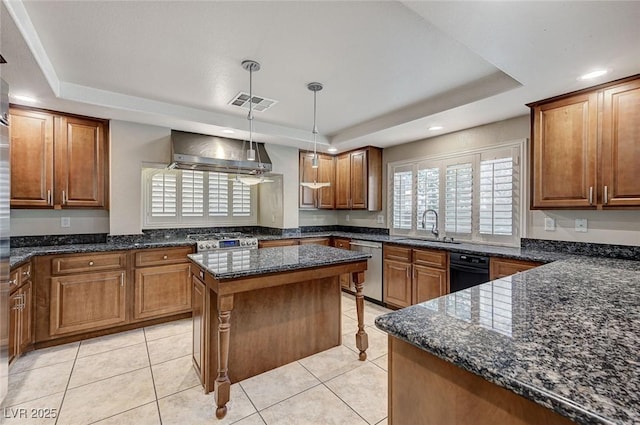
column 315, row 88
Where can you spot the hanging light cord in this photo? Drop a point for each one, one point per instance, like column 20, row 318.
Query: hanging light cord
column 315, row 127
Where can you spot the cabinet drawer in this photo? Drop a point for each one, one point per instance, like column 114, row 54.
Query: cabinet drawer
column 341, row 243
column 431, row 258
column 277, row 242
column 87, row 263
column 14, row 279
column 501, row 267
column 397, row 253
column 158, row 257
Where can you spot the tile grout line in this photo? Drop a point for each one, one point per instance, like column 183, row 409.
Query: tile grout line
column 346, row 404
column 66, row 388
column 250, row 401
column 153, row 381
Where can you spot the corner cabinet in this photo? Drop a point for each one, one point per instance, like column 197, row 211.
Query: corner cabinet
column 58, row 161
column 321, row 198
column 359, row 179
column 585, row 148
column 20, row 311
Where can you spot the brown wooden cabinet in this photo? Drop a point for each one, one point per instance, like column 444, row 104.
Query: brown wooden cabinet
column 359, row 179
column 585, row 148
column 87, row 301
column 277, row 242
column 162, row 283
column 58, row 161
column 20, row 311
column 345, row 279
column 198, row 291
column 321, row 198
column 317, row 241
column 502, row 267
column 412, row 276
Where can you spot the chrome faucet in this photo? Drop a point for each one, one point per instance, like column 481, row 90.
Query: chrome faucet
column 434, row 227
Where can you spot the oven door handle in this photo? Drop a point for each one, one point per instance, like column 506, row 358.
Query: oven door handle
column 464, row 268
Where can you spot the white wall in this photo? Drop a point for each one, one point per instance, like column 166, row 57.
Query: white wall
column 47, row 222
column 318, row 218
column 282, row 200
column 131, row 145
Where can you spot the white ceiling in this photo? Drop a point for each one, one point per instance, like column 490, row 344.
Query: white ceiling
column 390, row 69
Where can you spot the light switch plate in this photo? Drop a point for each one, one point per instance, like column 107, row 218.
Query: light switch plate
column 65, row 221
column 549, row 224
column 380, row 219
column 581, row 225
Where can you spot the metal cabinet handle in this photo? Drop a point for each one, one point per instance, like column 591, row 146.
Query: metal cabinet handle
column 64, row 198
column 590, row 195
column 165, row 257
column 13, row 282
column 606, row 195
column 49, row 197
column 91, row 263
column 26, row 273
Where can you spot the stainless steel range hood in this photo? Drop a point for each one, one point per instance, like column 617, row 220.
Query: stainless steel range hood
column 192, row 151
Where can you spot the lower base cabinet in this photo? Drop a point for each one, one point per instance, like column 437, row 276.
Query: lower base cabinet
column 87, row 302
column 428, row 283
column 198, row 291
column 398, row 283
column 161, row 291
column 20, row 323
column 502, row 267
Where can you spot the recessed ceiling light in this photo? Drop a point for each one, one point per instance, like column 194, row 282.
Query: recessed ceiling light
column 593, row 74
column 24, row 98
column 435, row 127
column 332, row 150
column 228, row 131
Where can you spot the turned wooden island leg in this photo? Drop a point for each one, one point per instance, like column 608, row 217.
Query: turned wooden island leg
column 362, row 339
column 222, row 386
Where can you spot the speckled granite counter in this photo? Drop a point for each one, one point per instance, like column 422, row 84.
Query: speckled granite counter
column 238, row 263
column 564, row 335
column 19, row 256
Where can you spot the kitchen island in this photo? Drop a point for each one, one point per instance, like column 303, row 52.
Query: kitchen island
column 258, row 309
column 557, row 344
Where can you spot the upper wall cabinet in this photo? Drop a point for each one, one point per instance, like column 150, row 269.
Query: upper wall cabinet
column 323, row 197
column 58, row 161
column 359, row 179
column 586, row 148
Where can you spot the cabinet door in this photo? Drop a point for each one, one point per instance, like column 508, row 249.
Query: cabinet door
column 162, row 291
column 343, row 181
column 26, row 324
column 14, row 324
column 199, row 327
column 621, row 146
column 80, row 163
column 277, row 242
column 86, row 302
column 501, row 267
column 428, row 283
column 31, row 159
column 326, row 173
column 345, row 279
column 397, row 283
column 564, row 153
column 307, row 195
column 359, row 175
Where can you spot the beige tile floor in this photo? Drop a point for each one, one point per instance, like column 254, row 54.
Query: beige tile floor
column 145, row 376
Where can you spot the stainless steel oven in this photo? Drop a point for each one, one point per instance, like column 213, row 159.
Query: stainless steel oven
column 466, row 271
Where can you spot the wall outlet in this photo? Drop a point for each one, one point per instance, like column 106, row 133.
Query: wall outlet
column 581, row 225
column 549, row 224
column 347, row 217
column 380, row 219
column 65, row 221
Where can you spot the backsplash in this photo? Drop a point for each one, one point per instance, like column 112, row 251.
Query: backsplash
column 622, row 252
column 55, row 240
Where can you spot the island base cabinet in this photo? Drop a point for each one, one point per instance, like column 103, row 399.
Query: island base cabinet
column 198, row 301
column 161, row 291
column 274, row 326
column 424, row 389
column 86, row 302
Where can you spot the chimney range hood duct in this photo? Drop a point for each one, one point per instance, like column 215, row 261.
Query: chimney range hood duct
column 192, row 151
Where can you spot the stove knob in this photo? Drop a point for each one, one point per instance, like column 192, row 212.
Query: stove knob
column 243, row 243
column 207, row 246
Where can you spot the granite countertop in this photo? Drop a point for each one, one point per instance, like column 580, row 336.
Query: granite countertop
column 19, row 256
column 564, row 335
column 232, row 264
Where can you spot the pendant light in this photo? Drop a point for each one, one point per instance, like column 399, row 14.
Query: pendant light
column 250, row 180
column 315, row 88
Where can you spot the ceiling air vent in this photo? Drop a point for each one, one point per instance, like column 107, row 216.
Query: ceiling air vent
column 259, row 103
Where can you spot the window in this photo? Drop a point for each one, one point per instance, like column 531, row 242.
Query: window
column 476, row 195
column 177, row 198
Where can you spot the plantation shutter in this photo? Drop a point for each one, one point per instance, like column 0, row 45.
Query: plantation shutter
column 241, row 199
column 496, row 196
column 459, row 198
column 164, row 194
column 402, row 198
column 192, row 193
column 428, row 196
column 218, row 195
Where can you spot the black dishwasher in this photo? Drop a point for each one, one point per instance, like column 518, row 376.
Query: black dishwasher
column 466, row 271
